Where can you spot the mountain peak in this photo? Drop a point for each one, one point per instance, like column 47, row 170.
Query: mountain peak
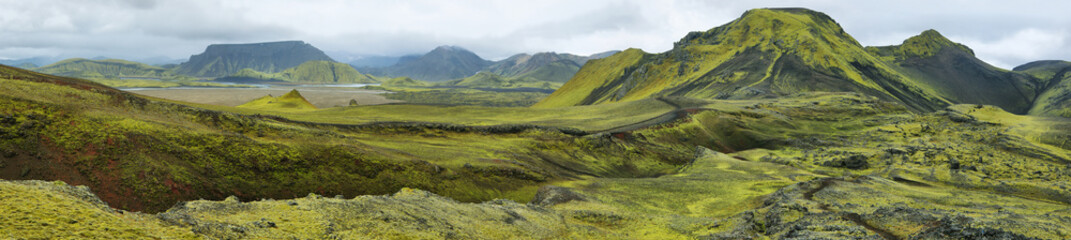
column 928, row 43
column 450, row 48
column 292, row 94
column 768, row 28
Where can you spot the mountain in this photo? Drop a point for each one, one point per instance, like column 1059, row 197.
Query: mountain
column 780, row 52
column 308, row 72
column 220, row 60
column 544, row 66
column 1054, row 75
column 442, row 63
column 103, row 69
column 291, row 101
column 952, row 70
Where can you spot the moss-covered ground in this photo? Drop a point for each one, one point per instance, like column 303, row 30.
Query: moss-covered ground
column 810, row 165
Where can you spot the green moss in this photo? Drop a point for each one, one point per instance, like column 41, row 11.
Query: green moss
column 291, row 101
column 308, row 72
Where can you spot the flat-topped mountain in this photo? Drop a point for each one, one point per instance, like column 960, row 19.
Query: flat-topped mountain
column 220, row 60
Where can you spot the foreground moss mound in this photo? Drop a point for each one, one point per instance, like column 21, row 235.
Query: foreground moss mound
column 55, row 210
column 291, row 101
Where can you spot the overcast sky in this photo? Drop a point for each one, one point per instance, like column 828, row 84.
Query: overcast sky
column 1004, row 33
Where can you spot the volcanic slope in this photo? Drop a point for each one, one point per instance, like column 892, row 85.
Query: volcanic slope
column 1056, row 99
column 779, row 52
column 220, row 60
column 952, row 70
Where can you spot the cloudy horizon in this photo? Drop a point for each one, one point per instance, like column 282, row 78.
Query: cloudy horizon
column 1001, row 33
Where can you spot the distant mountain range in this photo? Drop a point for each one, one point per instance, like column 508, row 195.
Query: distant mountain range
column 104, row 69
column 219, row 60
column 454, row 63
column 297, row 61
column 781, row 52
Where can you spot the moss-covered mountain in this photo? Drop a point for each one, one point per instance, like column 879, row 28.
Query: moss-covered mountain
column 220, row 60
column 104, row 69
column 442, row 63
column 954, row 73
column 308, row 72
column 780, row 52
column 544, row 66
column 1056, row 80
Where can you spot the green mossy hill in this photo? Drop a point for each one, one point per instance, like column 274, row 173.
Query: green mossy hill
column 219, row 60
column 308, row 72
column 952, row 70
column 103, row 69
column 779, row 52
column 404, row 82
column 291, row 101
column 764, row 53
column 442, row 63
column 929, row 43
column 491, row 80
column 1055, row 77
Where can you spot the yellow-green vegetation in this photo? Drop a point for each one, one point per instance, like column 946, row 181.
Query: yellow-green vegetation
column 951, row 70
column 1056, row 99
column 54, row 210
column 491, row 80
column 141, row 154
column 482, row 89
column 292, row 101
column 779, row 52
column 404, row 82
column 730, row 155
column 587, row 79
column 466, row 96
column 928, row 44
column 308, row 72
column 764, row 53
column 407, row 214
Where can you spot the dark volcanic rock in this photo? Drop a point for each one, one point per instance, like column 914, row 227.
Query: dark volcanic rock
column 553, row 195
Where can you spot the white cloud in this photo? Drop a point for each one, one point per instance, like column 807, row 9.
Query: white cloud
column 1018, row 47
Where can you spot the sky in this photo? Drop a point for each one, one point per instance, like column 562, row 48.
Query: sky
column 1003, row 33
